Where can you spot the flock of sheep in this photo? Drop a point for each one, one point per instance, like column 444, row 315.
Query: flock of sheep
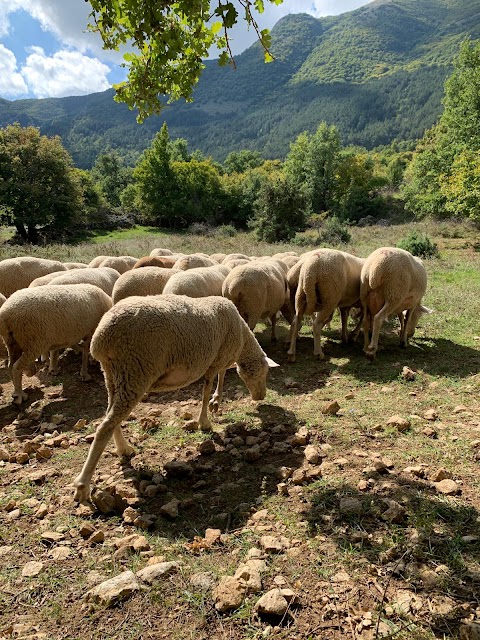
column 166, row 320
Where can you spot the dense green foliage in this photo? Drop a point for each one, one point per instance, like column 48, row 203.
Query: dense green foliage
column 376, row 73
column 419, row 244
column 39, row 187
column 444, row 176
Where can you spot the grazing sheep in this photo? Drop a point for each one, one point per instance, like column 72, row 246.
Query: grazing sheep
column 119, row 263
column 161, row 252
column 193, row 262
column 198, row 283
column 76, row 265
column 102, row 277
column 290, row 260
column 236, row 256
column 259, row 290
column 392, row 282
column 35, row 321
column 235, row 262
column 96, row 262
column 149, row 281
column 43, row 280
column 18, row 273
column 166, row 262
column 327, row 280
column 165, row 343
column 218, row 257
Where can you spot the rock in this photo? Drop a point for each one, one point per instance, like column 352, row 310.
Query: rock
column 400, row 423
column 5, row 550
column 341, row 576
column 14, row 514
column 44, row 453
column 191, row 425
column 97, row 537
column 4, row 455
column 313, row 473
column 362, row 485
column 86, row 529
column 253, row 453
column 129, row 515
column 470, row 631
column 395, row 512
column 42, row 511
column 114, row 590
column 178, row 469
column 212, row 536
column 331, row 408
column 299, row 439
column 418, row 471
column 281, row 448
column 430, row 414
column 32, row 569
column 206, row 448
column 272, row 603
column 441, row 474
column 350, row 506
column 290, row 383
column 229, row 594
column 380, row 466
column 80, row 424
column 203, row 581
column 170, row 509
column 153, row 572
column 248, row 574
column 60, row 553
column 447, row 487
column 272, row 544
column 429, row 432
column 104, row 501
column 408, row 374
column 51, row 537
column 312, row 454
column 22, row 458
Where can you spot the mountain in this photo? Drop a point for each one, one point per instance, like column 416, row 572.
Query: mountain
column 377, row 73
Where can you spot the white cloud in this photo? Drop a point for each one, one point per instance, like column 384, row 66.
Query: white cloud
column 11, row 82
column 66, row 73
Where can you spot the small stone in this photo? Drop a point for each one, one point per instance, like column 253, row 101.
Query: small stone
column 362, row 485
column 312, row 454
column 97, row 537
column 299, row 476
column 253, row 453
column 212, row 536
column 144, row 521
column 170, row 509
column 80, row 424
column 153, row 572
column 114, row 590
column 14, row 514
column 400, row 423
column 350, row 506
column 104, row 501
column 178, row 469
column 32, row 569
column 203, row 581
column 60, row 553
column 349, row 396
column 272, row 603
column 341, row 576
column 42, row 511
column 44, row 453
column 313, row 473
column 408, row 374
column 191, row 425
column 430, row 414
column 429, row 432
column 229, row 594
column 248, row 574
column 441, row 474
column 22, row 458
column 331, row 408
column 4, row 455
column 51, row 537
column 86, row 530
column 470, row 631
column 300, row 439
column 206, row 448
column 447, row 487
column 272, row 544
column 395, row 512
column 129, row 515
column 418, row 471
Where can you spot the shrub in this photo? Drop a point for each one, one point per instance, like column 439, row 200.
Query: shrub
column 334, row 232
column 201, row 229
column 226, row 231
column 419, row 244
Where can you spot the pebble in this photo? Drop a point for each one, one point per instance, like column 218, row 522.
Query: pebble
column 402, row 424
column 430, row 414
column 206, row 448
column 312, row 454
column 272, row 544
column 229, row 594
column 272, row 603
column 441, row 474
column 350, row 506
column 114, row 590
column 60, row 553
column 331, row 408
column 153, row 572
column 32, row 569
column 203, row 581
column 170, row 509
column 447, row 487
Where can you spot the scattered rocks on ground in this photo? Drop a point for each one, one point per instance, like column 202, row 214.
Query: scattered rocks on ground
column 447, row 487
column 402, row 424
column 170, row 509
column 272, row 603
column 114, row 590
column 229, row 594
column 32, row 569
column 331, row 408
column 273, row 544
column 153, row 572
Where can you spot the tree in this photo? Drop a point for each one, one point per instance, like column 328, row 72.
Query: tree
column 240, row 161
column 112, row 176
column 170, row 40
column 39, row 187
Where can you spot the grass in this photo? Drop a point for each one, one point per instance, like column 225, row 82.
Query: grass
column 446, row 358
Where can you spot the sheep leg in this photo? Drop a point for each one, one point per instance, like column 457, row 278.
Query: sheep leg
column 344, row 313
column 119, row 410
column 203, row 419
column 319, row 322
column 404, row 326
column 22, row 363
column 218, row 395
column 354, row 333
column 273, row 320
column 53, row 367
column 84, row 375
column 296, row 323
column 378, row 321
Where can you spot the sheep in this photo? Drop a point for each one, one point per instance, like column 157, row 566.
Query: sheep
column 235, row 256
column 393, row 281
column 198, row 283
column 166, row 262
column 76, row 265
column 35, row 321
column 161, row 252
column 166, row 343
column 43, row 280
column 120, row 263
column 235, row 262
column 149, row 281
column 218, row 257
column 192, row 262
column 18, row 273
column 290, row 260
column 258, row 290
column 328, row 279
column 102, row 277
column 97, row 261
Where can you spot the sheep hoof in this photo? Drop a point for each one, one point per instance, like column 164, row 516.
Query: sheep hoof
column 82, row 494
column 213, row 406
column 54, row 372
column 18, row 398
column 403, row 345
column 370, row 355
column 127, row 453
column 291, row 357
column 86, row 378
column 206, row 426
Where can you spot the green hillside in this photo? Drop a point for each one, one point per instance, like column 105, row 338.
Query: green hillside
column 377, row 73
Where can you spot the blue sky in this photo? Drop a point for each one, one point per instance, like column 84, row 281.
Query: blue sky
column 46, row 52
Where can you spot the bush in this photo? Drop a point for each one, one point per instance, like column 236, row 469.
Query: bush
column 201, row 229
column 226, row 231
column 419, row 245
column 334, row 232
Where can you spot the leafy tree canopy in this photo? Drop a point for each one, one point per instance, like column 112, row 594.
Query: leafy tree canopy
column 169, row 42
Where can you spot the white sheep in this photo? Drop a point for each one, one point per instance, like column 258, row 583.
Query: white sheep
column 328, row 279
column 218, row 257
column 393, row 282
column 97, row 261
column 235, row 262
column 76, row 265
column 165, row 343
column 43, row 280
column 161, row 252
column 18, row 273
column 43, row 319
column 102, row 277
column 120, row 263
column 193, row 261
column 259, row 290
column 148, row 281
column 198, row 283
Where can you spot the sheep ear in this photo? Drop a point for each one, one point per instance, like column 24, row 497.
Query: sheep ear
column 271, row 363
column 426, row 309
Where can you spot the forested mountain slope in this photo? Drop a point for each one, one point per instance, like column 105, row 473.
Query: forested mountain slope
column 377, row 73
